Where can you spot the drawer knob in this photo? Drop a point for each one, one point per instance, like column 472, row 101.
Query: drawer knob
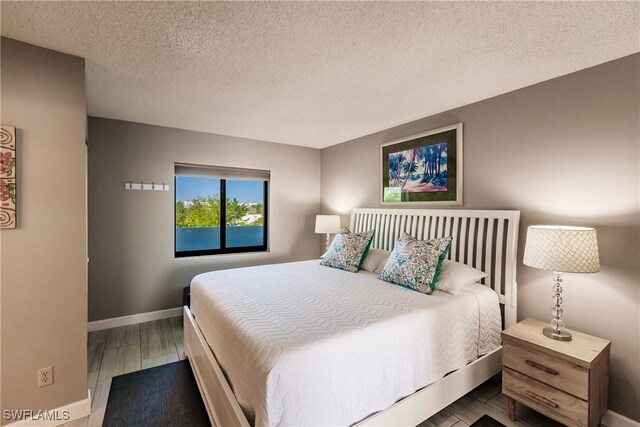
column 541, row 399
column 541, row 367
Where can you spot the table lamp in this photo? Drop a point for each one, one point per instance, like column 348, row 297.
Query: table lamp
column 561, row 249
column 327, row 224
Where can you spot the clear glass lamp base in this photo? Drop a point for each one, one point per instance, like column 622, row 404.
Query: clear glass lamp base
column 556, row 335
column 556, row 330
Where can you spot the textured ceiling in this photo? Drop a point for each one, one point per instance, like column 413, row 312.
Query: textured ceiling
column 316, row 73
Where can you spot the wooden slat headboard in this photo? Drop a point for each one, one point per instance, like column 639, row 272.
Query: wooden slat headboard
column 484, row 239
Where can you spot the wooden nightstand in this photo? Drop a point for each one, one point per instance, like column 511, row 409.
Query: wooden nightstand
column 564, row 380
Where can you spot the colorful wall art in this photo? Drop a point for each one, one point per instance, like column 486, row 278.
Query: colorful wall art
column 7, row 177
column 423, row 168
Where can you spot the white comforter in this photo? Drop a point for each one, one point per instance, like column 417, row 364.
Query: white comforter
column 304, row 344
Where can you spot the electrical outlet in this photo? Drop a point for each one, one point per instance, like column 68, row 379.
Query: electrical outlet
column 45, row 376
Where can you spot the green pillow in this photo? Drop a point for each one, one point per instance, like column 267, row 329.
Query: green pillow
column 348, row 250
column 415, row 263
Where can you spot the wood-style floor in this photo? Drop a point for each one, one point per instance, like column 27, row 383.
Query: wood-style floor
column 118, row 351
column 486, row 399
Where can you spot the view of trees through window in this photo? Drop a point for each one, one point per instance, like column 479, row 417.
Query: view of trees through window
column 205, row 212
column 203, row 227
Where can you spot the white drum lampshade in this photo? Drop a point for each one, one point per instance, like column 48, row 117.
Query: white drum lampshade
column 327, row 224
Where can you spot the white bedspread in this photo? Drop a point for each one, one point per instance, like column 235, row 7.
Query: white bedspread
column 303, row 344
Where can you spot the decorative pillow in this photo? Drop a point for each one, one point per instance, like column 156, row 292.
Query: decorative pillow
column 375, row 260
column 416, row 263
column 455, row 276
column 348, row 250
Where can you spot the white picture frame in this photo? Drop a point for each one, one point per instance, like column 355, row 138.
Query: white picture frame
column 417, row 160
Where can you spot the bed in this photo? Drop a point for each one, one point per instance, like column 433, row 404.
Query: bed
column 300, row 343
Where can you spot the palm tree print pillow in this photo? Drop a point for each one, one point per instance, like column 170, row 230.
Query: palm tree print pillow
column 415, row 263
column 348, row 250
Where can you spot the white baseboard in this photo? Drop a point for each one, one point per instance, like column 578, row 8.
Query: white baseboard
column 613, row 419
column 61, row 415
column 133, row 319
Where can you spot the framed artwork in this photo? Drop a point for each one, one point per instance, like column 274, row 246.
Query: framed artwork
column 423, row 168
column 7, row 177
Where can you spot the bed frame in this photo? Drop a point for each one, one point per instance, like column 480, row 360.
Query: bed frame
column 484, row 239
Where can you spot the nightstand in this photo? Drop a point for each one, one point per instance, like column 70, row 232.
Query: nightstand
column 567, row 381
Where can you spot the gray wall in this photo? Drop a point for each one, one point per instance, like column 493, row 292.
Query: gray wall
column 43, row 264
column 132, row 268
column 565, row 151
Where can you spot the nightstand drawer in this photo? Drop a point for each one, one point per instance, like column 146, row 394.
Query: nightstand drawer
column 556, row 404
column 545, row 368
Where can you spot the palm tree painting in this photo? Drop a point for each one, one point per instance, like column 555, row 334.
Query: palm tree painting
column 419, row 170
column 425, row 167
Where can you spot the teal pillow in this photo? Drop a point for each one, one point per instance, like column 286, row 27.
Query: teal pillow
column 348, row 250
column 416, row 263
column 443, row 255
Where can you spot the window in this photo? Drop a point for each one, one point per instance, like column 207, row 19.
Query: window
column 220, row 210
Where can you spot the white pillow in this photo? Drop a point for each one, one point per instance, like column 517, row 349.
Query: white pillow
column 375, row 260
column 454, row 277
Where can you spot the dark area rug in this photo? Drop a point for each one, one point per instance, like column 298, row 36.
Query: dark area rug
column 487, row 421
column 166, row 395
